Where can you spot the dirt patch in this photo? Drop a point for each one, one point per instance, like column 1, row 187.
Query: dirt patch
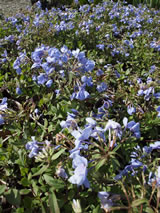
column 12, row 7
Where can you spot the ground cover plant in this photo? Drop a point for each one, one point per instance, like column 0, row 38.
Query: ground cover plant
column 80, row 109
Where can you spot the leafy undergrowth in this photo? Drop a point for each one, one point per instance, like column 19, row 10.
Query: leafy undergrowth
column 79, row 110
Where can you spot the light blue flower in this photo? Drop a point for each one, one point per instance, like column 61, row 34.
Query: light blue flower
column 106, row 202
column 131, row 110
column 33, row 146
column 3, row 104
column 155, row 178
column 49, row 83
column 80, row 173
column 61, row 173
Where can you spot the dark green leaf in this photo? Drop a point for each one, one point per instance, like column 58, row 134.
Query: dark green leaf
column 56, row 184
column 100, row 164
column 53, row 204
column 42, row 170
column 2, row 189
column 13, row 197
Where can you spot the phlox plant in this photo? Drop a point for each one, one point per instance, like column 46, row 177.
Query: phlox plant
column 80, row 109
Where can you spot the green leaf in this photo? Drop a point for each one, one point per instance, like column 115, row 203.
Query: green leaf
column 25, row 191
column 13, row 197
column 70, row 77
column 53, row 204
column 42, row 170
column 25, row 182
column 100, row 164
column 2, row 189
column 56, row 184
column 149, row 210
column 27, row 202
column 43, row 209
column 50, row 128
column 55, row 156
column 138, row 202
column 97, row 209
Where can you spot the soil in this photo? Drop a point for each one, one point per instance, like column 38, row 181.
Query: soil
column 12, row 7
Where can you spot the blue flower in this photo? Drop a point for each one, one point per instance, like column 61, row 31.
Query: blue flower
column 102, row 87
column 100, row 46
column 116, row 127
column 42, row 78
column 99, row 73
column 131, row 109
column 38, row 54
column 49, row 83
column 61, row 173
column 152, row 69
column 156, row 145
column 1, row 120
column 158, row 110
column 155, row 178
column 18, row 91
column 33, row 146
column 89, row 65
column 76, row 1
column 80, row 173
column 157, row 95
column 3, row 104
column 81, row 95
column 106, row 202
column 135, row 128
column 87, row 81
column 38, row 4
column 18, row 71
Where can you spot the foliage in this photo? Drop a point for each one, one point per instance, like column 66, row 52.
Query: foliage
column 80, row 109
column 149, row 3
